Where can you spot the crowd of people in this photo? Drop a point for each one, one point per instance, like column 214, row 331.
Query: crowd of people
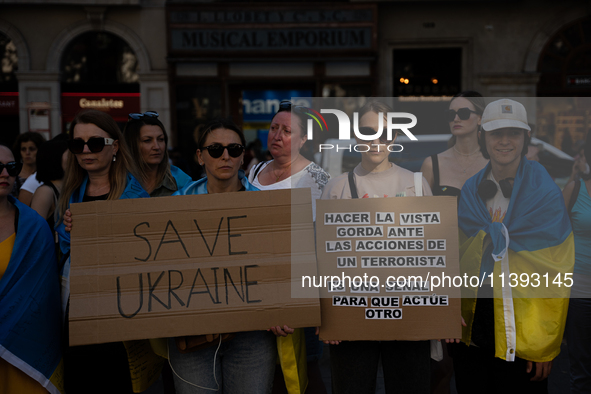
column 512, row 218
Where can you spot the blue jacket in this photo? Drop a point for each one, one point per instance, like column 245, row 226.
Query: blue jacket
column 132, row 190
column 200, row 186
column 180, row 177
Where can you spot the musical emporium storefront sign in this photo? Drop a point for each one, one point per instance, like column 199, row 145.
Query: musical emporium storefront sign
column 259, row 29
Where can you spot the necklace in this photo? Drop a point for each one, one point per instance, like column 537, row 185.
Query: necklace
column 470, row 161
column 99, row 190
column 280, row 175
column 466, row 154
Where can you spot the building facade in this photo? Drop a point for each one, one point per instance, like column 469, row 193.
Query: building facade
column 191, row 60
column 109, row 55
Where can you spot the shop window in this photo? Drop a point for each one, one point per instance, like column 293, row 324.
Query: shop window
column 427, row 72
column 559, row 47
column 346, row 90
column 565, row 61
column 573, row 35
column 99, row 58
column 550, row 64
column 9, row 62
column 9, row 116
column 424, row 81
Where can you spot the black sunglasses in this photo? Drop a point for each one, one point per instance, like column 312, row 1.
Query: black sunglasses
column 463, row 114
column 138, row 116
column 383, row 137
column 95, row 144
column 13, row 168
column 217, row 150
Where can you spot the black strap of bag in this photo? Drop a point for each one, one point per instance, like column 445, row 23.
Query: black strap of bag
column 352, row 185
column 435, row 162
column 257, row 169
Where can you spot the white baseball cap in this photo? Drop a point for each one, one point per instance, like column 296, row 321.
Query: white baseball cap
column 504, row 113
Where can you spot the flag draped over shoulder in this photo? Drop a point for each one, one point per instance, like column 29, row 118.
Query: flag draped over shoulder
column 30, row 312
column 535, row 239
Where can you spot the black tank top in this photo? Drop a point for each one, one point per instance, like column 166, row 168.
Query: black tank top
column 439, row 190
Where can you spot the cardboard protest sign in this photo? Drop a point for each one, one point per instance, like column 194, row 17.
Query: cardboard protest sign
column 189, row 265
column 400, row 249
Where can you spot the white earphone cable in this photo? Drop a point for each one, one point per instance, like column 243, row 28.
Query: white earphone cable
column 193, row 384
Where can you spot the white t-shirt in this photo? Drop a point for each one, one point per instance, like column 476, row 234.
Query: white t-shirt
column 497, row 208
column 31, row 184
column 393, row 182
column 498, row 205
column 312, row 176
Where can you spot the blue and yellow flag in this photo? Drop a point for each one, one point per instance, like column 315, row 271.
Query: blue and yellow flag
column 30, row 311
column 534, row 252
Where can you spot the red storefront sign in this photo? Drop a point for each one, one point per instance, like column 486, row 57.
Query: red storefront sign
column 118, row 105
column 8, row 103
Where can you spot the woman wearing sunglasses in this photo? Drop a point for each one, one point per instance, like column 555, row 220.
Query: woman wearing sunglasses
column 148, row 143
column 99, row 168
column 245, row 363
column 31, row 328
column 354, row 364
column 448, row 171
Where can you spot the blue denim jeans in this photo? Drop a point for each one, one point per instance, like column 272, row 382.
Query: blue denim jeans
column 245, row 364
column 578, row 339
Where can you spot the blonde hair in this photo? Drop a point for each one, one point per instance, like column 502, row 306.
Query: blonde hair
column 118, row 169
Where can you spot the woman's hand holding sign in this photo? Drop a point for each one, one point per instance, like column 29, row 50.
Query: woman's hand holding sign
column 281, row 332
column 68, row 220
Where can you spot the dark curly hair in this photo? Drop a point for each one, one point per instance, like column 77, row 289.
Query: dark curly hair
column 36, row 138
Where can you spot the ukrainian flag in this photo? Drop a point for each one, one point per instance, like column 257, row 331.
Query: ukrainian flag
column 30, row 310
column 533, row 250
